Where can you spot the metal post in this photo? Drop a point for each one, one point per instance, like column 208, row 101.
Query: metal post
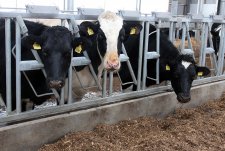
column 174, row 7
column 140, row 58
column 222, row 7
column 158, row 50
column 205, row 43
column 104, row 83
column 221, row 52
column 8, row 64
column 70, row 5
column 18, row 73
column 183, row 36
column 144, row 75
column 202, row 44
column 110, row 83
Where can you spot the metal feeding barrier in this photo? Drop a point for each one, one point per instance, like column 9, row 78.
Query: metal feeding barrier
column 163, row 20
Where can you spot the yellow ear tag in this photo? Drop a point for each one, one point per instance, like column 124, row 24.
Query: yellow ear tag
column 78, row 49
column 133, row 31
column 36, row 46
column 167, row 67
column 200, row 73
column 90, row 31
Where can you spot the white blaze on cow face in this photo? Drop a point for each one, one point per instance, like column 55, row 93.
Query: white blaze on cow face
column 186, row 64
column 111, row 24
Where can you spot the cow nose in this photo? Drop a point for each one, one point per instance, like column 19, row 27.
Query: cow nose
column 57, row 84
column 113, row 65
column 183, row 98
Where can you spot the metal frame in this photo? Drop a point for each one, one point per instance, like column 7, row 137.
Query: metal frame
column 33, row 64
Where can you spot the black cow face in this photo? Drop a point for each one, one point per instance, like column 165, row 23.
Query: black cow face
column 182, row 75
column 54, row 46
column 108, row 33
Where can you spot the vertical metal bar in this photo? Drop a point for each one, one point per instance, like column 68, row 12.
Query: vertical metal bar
column 171, row 31
column 110, row 83
column 202, row 44
column 140, row 58
column 144, row 75
column 62, row 96
column 183, row 36
column 221, row 52
column 104, row 83
column 8, row 64
column 18, row 73
column 158, row 50
column 205, row 43
column 70, row 75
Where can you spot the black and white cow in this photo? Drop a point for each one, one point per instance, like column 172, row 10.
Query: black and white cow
column 54, row 46
column 106, row 35
column 179, row 69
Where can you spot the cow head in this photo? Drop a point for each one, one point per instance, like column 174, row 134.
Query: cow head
column 183, row 72
column 107, row 35
column 54, row 46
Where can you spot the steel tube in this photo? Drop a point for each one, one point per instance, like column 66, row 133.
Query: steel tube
column 8, row 64
column 144, row 75
column 18, row 73
column 140, row 58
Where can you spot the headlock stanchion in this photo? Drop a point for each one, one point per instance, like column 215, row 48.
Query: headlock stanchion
column 163, row 20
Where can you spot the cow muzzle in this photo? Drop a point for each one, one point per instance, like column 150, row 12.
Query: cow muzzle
column 183, row 98
column 56, row 84
column 112, row 62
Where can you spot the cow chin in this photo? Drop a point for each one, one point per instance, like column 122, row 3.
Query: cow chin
column 56, row 84
column 183, row 99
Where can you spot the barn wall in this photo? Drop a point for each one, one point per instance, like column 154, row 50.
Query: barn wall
column 32, row 135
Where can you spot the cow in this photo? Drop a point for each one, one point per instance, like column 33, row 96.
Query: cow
column 54, row 46
column 180, row 69
column 106, row 36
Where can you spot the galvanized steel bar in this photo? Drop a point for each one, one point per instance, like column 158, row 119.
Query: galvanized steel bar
column 144, row 75
column 62, row 96
column 158, row 50
column 183, row 36
column 205, row 43
column 221, row 51
column 8, row 64
column 104, row 83
column 110, row 83
column 202, row 44
column 140, row 58
column 18, row 73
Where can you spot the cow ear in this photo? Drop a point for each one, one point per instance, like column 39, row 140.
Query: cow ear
column 132, row 28
column 32, row 42
column 88, row 29
column 80, row 44
column 202, row 71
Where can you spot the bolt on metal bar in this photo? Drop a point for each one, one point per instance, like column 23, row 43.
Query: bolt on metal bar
column 8, row 64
